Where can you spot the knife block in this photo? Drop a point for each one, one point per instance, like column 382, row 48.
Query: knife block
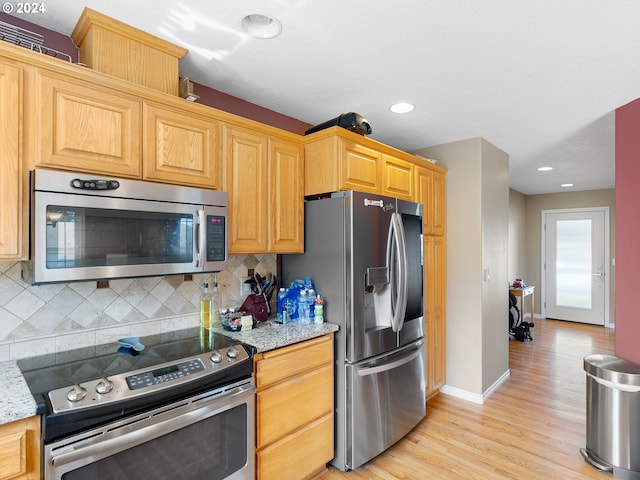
column 257, row 306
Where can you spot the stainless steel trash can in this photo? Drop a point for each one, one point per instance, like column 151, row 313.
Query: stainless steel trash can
column 613, row 415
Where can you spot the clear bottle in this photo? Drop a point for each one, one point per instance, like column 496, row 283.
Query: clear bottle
column 205, row 306
column 311, row 296
column 216, row 305
column 303, row 308
column 205, row 318
column 280, row 307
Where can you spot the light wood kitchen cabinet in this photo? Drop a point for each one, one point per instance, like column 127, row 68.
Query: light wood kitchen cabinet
column 286, row 207
column 294, row 410
column 359, row 167
column 430, row 191
column 87, row 128
column 181, row 146
column 397, row 178
column 335, row 162
column 263, row 177
column 245, row 165
column 337, row 159
column 80, row 126
column 110, row 46
column 13, row 212
column 20, row 450
column 435, row 312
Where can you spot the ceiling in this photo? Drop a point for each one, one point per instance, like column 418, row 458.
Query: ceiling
column 539, row 79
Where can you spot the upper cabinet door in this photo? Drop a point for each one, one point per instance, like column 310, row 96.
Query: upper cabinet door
column 12, row 211
column 424, row 195
column 397, row 178
column 181, row 147
column 439, row 201
column 82, row 127
column 360, row 167
column 245, row 163
column 430, row 191
column 286, row 207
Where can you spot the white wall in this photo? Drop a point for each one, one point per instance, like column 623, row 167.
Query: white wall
column 477, row 232
column 517, row 236
column 495, row 259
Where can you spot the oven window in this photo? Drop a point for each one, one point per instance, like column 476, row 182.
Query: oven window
column 213, row 448
column 90, row 237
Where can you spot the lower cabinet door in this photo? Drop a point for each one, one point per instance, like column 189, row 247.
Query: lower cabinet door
column 20, row 450
column 286, row 460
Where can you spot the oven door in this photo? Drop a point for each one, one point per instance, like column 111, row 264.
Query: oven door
column 85, row 237
column 207, row 436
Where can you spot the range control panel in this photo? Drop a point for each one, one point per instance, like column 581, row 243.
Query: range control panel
column 115, row 388
column 164, row 374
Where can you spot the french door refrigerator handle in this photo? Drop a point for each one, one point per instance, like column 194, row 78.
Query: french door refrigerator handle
column 363, row 372
column 392, row 246
column 398, row 265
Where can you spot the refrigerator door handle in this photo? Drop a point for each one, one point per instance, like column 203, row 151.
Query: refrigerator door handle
column 363, row 372
column 397, row 261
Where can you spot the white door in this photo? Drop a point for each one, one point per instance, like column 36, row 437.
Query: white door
column 575, row 269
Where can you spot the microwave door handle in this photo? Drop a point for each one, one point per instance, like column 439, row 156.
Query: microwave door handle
column 200, row 238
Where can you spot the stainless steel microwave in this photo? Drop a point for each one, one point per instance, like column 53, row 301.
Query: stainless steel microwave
column 89, row 227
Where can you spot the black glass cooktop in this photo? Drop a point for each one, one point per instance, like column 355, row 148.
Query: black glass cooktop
column 49, row 372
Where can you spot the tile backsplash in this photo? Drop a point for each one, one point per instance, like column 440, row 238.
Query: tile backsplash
column 67, row 315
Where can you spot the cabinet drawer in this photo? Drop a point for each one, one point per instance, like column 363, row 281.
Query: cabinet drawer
column 289, row 405
column 286, row 362
column 286, row 460
column 19, row 449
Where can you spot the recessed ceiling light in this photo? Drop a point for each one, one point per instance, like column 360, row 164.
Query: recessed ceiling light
column 545, row 169
column 567, row 185
column 401, row 108
column 261, row 26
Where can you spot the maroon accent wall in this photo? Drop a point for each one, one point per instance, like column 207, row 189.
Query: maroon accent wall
column 237, row 106
column 208, row 96
column 52, row 39
column 627, row 268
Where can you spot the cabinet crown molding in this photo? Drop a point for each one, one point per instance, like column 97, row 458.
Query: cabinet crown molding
column 93, row 19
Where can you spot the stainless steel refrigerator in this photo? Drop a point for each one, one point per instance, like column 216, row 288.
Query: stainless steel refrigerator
column 364, row 254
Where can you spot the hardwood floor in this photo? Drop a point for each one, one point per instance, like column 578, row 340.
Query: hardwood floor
column 531, row 428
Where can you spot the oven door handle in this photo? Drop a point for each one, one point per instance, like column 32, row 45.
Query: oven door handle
column 102, row 448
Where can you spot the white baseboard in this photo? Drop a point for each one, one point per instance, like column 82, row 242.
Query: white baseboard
column 476, row 397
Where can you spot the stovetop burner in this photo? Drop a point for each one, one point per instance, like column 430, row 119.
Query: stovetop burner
column 89, row 385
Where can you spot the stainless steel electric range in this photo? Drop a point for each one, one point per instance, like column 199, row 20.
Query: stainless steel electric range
column 182, row 407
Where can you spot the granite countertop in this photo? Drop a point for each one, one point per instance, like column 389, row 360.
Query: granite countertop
column 271, row 335
column 17, row 402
